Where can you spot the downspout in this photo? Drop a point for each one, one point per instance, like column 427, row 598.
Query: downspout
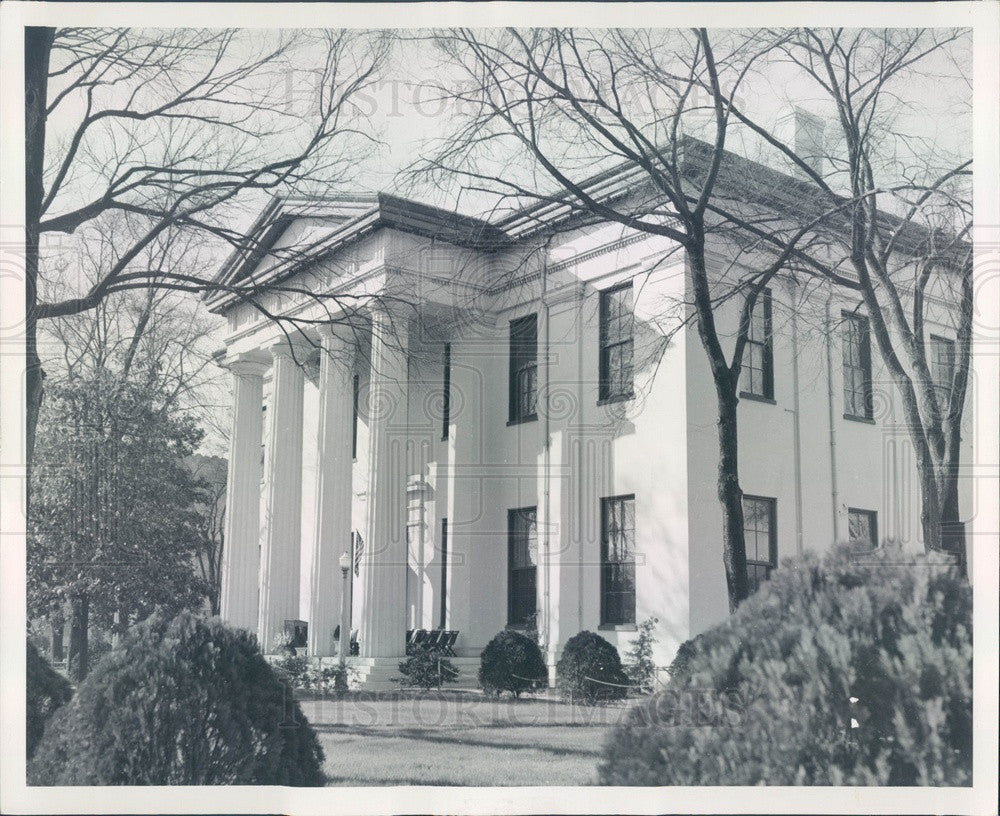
column 546, row 459
column 833, row 434
column 580, row 447
column 797, row 433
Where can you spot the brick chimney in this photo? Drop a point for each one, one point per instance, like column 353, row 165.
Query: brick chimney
column 809, row 141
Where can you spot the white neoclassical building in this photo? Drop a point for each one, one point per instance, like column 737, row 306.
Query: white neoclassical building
column 513, row 424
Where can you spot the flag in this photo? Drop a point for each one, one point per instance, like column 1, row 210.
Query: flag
column 358, row 545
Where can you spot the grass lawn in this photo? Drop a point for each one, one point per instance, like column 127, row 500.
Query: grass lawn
column 459, row 738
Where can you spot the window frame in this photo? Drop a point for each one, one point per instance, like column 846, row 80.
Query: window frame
column 854, row 322
column 943, row 390
column 443, row 606
column 355, row 393
column 520, row 362
column 766, row 346
column 872, row 522
column 604, row 392
column 607, row 503
column 772, row 538
column 446, row 395
column 514, row 513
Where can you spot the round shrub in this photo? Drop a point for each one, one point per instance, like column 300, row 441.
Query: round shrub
column 841, row 670
column 590, row 670
column 511, row 662
column 46, row 690
column 427, row 669
column 182, row 701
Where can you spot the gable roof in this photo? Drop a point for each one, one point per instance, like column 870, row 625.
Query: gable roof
column 343, row 220
column 350, row 218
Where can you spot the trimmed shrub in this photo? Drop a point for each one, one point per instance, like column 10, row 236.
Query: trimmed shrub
column 46, row 690
column 426, row 669
column 182, row 701
column 845, row 670
column 590, row 670
column 511, row 662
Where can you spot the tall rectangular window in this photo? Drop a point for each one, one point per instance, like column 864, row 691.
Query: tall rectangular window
column 941, row 361
column 760, row 532
column 616, row 343
column 857, row 367
column 444, row 573
column 523, row 368
column 522, row 565
column 446, row 393
column 862, row 528
column 618, row 560
column 758, row 355
column 356, row 390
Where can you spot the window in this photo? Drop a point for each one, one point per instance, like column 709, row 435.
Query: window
column 857, row 368
column 760, row 534
column 446, row 393
column 616, row 332
column 522, row 561
column 523, row 368
column 862, row 528
column 942, row 365
column 444, row 573
column 356, row 389
column 758, row 356
column 618, row 560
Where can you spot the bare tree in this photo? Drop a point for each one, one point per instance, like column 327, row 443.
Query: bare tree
column 179, row 132
column 904, row 238
column 567, row 103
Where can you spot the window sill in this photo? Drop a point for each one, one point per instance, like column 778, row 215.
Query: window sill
column 757, row 398
column 617, row 627
column 863, row 420
column 522, row 420
column 613, row 400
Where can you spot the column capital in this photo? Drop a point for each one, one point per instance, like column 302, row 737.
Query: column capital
column 247, row 366
column 298, row 351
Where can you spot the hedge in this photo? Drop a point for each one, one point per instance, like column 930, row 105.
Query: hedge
column 851, row 669
column 182, row 701
column 46, row 690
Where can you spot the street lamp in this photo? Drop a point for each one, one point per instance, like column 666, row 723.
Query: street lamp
column 345, row 611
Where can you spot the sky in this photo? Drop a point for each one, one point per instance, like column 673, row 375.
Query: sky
column 404, row 116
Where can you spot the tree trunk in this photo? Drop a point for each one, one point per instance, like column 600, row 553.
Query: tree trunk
column 953, row 538
column 930, row 507
column 734, row 553
column 78, row 640
column 57, row 628
column 37, row 47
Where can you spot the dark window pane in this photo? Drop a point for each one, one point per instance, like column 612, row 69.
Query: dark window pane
column 615, row 333
column 618, row 560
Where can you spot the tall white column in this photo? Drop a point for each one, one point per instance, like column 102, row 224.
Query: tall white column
column 383, row 629
column 333, row 490
column 241, row 556
column 279, row 577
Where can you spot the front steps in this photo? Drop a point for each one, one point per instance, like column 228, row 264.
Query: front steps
column 382, row 673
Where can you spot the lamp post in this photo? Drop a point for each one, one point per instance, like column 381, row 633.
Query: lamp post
column 345, row 616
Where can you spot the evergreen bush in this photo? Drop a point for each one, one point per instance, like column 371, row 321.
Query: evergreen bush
column 426, row 669
column 182, row 701
column 511, row 662
column 46, row 690
column 590, row 670
column 842, row 670
column 638, row 662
